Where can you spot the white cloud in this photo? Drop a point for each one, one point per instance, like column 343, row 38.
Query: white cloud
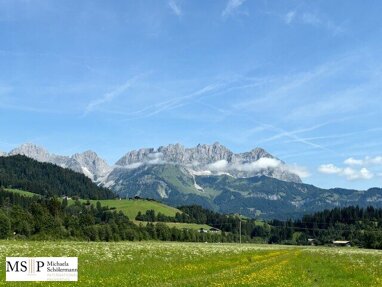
column 289, row 17
column 155, row 155
column 175, row 7
column 366, row 174
column 301, row 171
column 261, row 164
column 353, row 161
column 264, row 163
column 376, row 160
column 133, row 165
column 329, row 169
column 231, row 6
column 366, row 161
column 220, row 165
column 348, row 172
column 352, row 174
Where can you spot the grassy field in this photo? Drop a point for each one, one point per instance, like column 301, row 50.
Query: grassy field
column 129, row 207
column 199, row 264
column 132, row 207
column 21, row 192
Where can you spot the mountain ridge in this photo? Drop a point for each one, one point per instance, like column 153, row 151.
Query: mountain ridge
column 204, row 158
column 214, row 158
column 253, row 183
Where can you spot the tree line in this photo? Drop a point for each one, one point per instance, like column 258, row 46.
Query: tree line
column 361, row 226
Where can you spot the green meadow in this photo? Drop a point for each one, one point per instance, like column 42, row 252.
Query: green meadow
column 132, row 207
column 200, row 264
column 21, row 192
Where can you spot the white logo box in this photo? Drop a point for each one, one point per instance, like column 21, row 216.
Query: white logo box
column 41, row 268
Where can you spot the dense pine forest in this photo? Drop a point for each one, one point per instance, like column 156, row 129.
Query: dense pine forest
column 48, row 179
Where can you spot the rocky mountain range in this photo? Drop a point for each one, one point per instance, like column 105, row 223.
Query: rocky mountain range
column 253, row 183
column 87, row 162
column 203, row 159
column 212, row 159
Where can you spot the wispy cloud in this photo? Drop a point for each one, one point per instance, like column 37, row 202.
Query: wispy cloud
column 290, row 134
column 167, row 105
column 343, row 102
column 280, row 87
column 312, row 19
column 5, row 89
column 232, row 5
column 289, row 17
column 294, row 135
column 175, row 7
column 18, row 107
column 326, row 137
column 108, row 97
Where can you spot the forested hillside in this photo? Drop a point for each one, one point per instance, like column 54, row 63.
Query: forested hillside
column 48, row 179
column 43, row 218
column 361, row 226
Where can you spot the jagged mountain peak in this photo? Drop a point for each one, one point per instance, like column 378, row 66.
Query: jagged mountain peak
column 28, row 147
column 88, row 153
column 92, row 165
column 88, row 162
column 33, row 151
column 213, row 159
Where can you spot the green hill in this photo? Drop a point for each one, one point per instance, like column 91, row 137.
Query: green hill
column 21, row 192
column 133, row 206
column 20, row 172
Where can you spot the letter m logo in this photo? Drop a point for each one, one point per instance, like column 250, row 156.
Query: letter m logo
column 11, row 268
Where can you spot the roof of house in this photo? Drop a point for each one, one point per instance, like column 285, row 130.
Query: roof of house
column 341, row 242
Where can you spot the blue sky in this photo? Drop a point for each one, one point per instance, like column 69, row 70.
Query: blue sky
column 301, row 79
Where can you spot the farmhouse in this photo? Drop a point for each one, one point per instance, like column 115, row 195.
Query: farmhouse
column 211, row 230
column 341, row 243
